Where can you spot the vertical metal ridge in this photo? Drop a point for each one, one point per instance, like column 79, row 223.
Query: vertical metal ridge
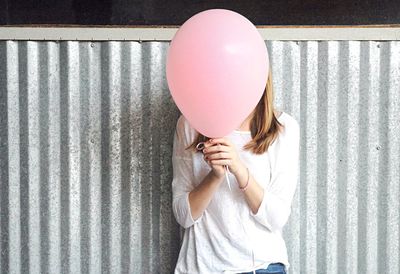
column 64, row 102
column 137, row 72
column 383, row 157
column 43, row 116
column 84, row 74
column 363, row 153
column 321, row 160
column 342, row 151
column 333, row 147
column 393, row 158
column 353, row 137
column 10, row 193
column 126, row 156
column 114, row 70
column 155, row 112
column 146, row 155
column 54, row 158
column 34, row 182
column 105, row 156
column 310, row 87
column 23, row 156
column 94, row 94
column 6, row 159
column 74, row 153
column 302, row 188
column 372, row 78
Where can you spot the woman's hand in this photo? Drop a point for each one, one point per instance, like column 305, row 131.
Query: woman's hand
column 217, row 170
column 219, row 152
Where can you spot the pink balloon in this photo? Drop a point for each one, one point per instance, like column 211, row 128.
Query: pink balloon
column 217, row 68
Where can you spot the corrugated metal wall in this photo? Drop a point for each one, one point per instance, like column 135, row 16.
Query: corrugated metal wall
column 85, row 148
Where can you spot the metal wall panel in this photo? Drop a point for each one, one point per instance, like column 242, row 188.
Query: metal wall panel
column 86, row 133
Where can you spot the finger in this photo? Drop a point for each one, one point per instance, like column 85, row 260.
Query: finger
column 225, row 141
column 209, row 143
column 206, row 160
column 221, row 162
column 216, row 148
column 218, row 155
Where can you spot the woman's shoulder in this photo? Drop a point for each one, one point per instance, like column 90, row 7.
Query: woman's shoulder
column 184, row 128
column 286, row 118
column 183, row 124
column 291, row 126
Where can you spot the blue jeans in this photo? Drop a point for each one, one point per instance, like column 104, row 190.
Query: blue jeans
column 274, row 268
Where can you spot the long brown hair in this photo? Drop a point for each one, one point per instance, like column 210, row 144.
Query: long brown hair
column 264, row 126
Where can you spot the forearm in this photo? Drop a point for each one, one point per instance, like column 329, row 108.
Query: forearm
column 254, row 193
column 200, row 197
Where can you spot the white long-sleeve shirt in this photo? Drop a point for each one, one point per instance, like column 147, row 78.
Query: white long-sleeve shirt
column 227, row 235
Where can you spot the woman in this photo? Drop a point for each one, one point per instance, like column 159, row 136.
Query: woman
column 237, row 229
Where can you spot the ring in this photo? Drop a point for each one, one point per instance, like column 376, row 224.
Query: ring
column 200, row 146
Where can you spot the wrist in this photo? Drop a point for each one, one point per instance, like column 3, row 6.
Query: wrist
column 244, row 187
column 240, row 170
column 215, row 176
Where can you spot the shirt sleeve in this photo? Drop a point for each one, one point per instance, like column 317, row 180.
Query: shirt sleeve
column 183, row 178
column 275, row 207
